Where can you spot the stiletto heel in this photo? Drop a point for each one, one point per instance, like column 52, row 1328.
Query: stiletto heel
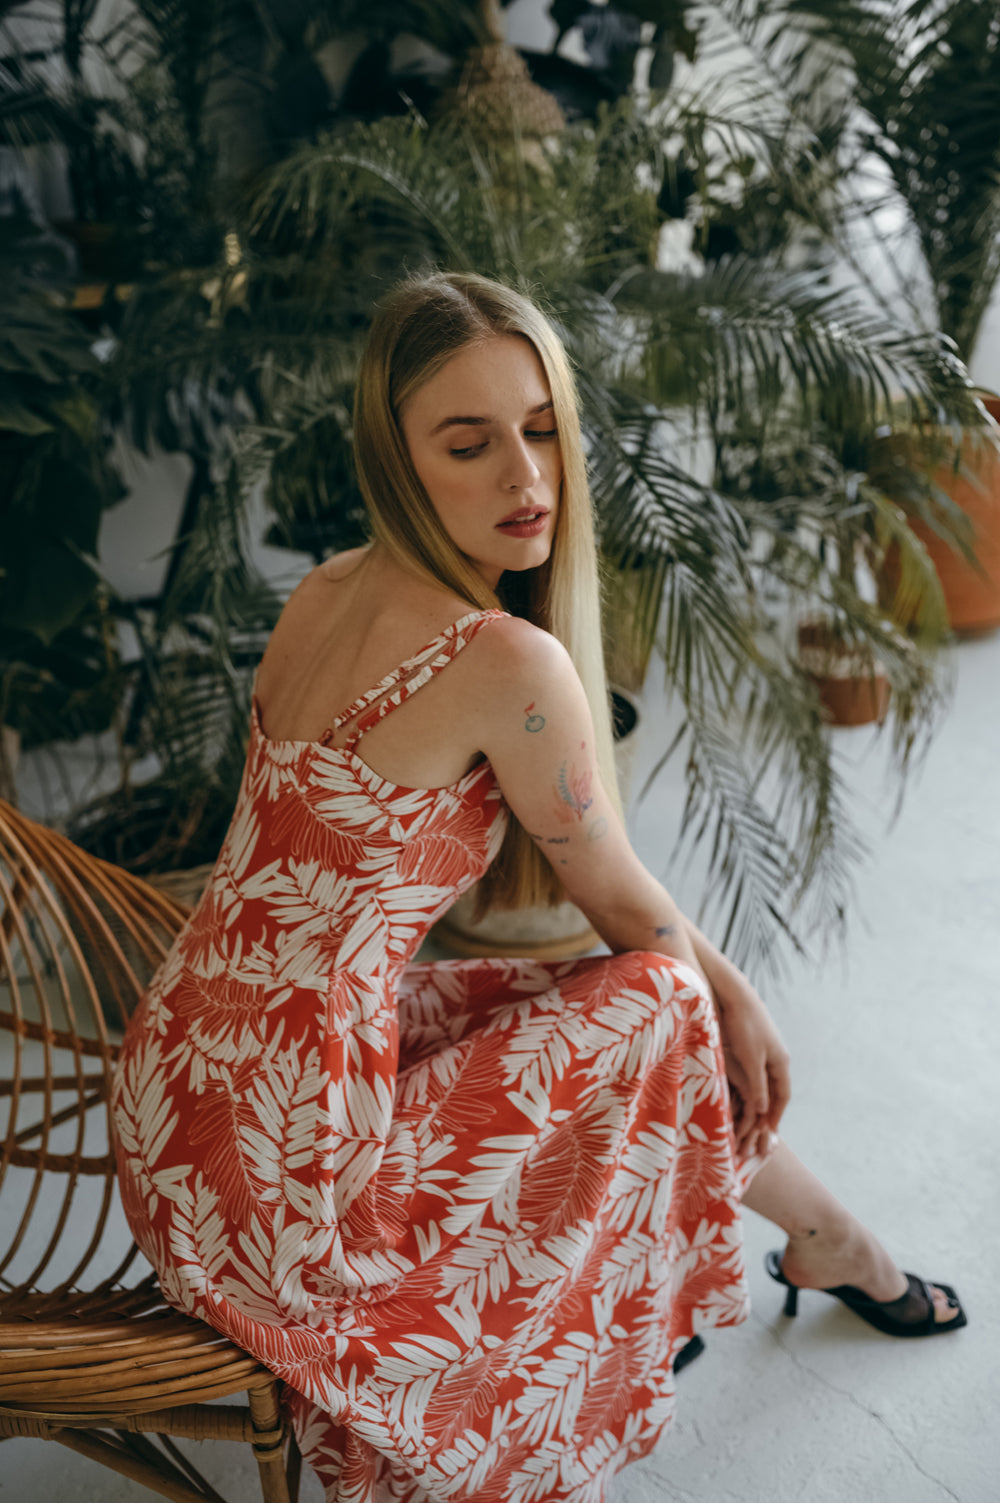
column 891, row 1315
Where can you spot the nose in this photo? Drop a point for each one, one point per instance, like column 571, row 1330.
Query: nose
column 519, row 472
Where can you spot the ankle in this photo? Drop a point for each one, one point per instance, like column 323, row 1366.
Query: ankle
column 839, row 1241
column 844, row 1252
column 835, row 1233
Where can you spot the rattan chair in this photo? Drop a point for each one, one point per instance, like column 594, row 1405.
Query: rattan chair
column 90, row 1354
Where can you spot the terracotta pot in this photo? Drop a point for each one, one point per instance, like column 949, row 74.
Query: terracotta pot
column 538, row 933
column 851, row 689
column 972, row 595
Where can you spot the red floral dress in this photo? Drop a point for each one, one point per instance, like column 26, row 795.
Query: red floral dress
column 468, row 1210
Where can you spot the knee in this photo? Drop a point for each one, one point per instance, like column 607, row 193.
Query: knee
column 678, row 985
column 679, row 973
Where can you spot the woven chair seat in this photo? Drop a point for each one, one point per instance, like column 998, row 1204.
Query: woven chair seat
column 91, row 1355
column 115, row 1362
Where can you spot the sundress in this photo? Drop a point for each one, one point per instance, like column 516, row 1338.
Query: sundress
column 467, row 1210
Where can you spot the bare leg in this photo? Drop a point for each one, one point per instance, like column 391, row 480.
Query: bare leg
column 826, row 1244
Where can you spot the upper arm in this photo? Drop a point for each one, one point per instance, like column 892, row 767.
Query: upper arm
column 538, row 733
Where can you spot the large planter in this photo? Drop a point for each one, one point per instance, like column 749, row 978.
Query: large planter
column 559, row 933
column 627, row 649
column 852, row 691
column 971, row 593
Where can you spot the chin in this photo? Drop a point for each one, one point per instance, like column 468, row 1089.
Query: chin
column 527, row 565
column 532, row 557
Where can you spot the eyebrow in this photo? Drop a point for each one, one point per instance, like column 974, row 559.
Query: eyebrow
column 480, row 422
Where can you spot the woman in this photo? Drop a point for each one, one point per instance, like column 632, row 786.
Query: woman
column 470, row 1211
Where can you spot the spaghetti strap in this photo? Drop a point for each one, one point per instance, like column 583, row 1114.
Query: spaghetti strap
column 397, row 686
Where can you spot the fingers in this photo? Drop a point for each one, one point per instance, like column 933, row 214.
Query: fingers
column 781, row 1091
column 743, row 1120
column 753, row 1136
column 743, row 1114
column 760, row 1089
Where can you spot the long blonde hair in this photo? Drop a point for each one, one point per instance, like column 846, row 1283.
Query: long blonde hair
column 419, row 326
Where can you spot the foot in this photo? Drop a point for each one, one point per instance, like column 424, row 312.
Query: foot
column 849, row 1254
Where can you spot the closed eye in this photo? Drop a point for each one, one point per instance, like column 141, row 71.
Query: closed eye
column 539, row 435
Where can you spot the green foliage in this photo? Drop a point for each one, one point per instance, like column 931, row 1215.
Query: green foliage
column 187, row 696
column 772, row 369
column 55, row 482
column 911, row 122
column 729, row 408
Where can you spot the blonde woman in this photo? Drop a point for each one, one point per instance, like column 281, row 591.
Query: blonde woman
column 470, row 1211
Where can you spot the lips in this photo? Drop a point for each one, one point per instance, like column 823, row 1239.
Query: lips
column 524, row 522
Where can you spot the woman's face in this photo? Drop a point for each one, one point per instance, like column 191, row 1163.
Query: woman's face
column 482, row 437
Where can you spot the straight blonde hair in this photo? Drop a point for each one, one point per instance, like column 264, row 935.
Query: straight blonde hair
column 418, row 327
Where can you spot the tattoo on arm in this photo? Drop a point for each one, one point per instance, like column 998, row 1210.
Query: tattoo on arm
column 574, row 792
column 573, row 796
column 665, row 931
column 533, row 722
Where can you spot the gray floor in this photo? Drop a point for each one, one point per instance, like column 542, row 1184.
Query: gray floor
column 894, row 1049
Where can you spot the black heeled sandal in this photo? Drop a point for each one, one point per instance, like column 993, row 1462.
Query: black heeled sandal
column 688, row 1353
column 894, row 1316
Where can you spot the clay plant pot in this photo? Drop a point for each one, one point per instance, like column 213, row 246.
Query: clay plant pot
column 559, row 933
column 971, row 593
column 851, row 689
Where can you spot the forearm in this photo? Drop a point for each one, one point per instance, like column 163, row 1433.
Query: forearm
column 723, row 977
column 650, row 921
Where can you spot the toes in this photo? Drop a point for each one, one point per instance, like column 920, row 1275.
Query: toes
column 944, row 1310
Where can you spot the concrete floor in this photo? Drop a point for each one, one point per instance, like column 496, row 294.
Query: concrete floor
column 894, row 1048
column 894, row 1052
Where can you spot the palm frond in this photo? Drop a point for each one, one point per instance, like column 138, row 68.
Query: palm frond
column 763, row 366
column 746, row 324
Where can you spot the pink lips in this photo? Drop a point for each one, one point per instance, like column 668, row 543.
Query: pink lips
column 526, row 522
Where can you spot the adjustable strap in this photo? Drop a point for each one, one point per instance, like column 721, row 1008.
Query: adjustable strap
column 410, row 676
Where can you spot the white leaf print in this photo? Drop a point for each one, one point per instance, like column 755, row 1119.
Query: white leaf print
column 144, row 1123
column 286, row 1101
column 468, row 1210
column 480, row 1269
column 198, row 1239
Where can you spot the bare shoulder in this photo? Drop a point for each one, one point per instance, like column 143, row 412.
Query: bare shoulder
column 339, row 565
column 518, row 651
column 313, row 589
column 518, row 665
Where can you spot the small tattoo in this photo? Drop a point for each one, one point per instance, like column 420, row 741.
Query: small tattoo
column 665, row 931
column 598, row 828
column 557, row 840
column 533, row 722
column 574, row 796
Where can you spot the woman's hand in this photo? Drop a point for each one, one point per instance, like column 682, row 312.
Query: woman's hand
column 755, row 1056
column 756, row 1062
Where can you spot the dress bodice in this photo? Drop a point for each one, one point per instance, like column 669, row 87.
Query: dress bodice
column 319, row 837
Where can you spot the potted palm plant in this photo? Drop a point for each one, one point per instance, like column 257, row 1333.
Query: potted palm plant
column 265, row 330
column 921, row 152
column 648, row 344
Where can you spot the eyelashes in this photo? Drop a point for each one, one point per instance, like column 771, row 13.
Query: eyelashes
column 537, row 434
